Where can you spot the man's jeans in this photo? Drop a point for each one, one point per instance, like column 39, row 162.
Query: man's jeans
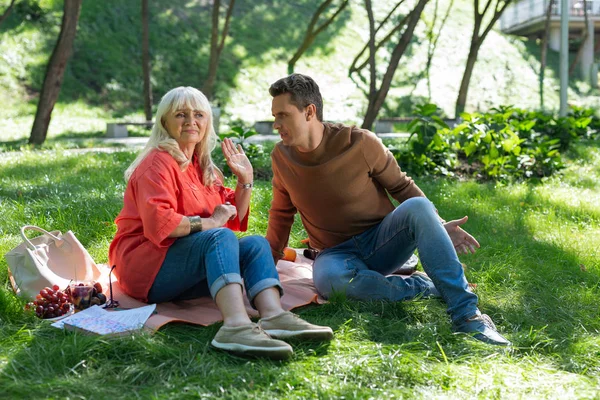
column 359, row 266
column 204, row 262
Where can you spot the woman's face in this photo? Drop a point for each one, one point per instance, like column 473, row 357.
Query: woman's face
column 186, row 126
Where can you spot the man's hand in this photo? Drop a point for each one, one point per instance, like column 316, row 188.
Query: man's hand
column 463, row 242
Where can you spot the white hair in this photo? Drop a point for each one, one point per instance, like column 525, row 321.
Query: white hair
column 176, row 99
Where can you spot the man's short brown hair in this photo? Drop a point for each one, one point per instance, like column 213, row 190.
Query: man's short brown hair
column 303, row 90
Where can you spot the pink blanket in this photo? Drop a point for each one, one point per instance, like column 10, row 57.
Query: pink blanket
column 296, row 278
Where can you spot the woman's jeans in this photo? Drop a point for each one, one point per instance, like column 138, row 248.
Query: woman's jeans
column 359, row 266
column 204, row 262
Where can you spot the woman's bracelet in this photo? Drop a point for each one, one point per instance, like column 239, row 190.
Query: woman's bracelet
column 195, row 224
column 246, row 185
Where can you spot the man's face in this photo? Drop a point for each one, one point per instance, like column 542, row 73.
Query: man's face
column 290, row 122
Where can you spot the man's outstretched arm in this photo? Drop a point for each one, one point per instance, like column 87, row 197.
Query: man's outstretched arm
column 463, row 242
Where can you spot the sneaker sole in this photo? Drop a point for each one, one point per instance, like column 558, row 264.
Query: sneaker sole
column 275, row 353
column 322, row 335
column 484, row 339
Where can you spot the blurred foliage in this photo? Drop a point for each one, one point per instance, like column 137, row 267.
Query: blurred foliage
column 503, row 144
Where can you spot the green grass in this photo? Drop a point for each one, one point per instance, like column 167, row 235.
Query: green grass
column 538, row 276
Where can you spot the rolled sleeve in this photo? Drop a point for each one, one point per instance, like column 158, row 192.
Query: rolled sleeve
column 228, row 195
column 281, row 216
column 157, row 207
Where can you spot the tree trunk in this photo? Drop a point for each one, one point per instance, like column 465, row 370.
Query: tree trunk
column 55, row 71
column 372, row 64
column 312, row 33
column 353, row 68
column 461, row 101
column 376, row 103
column 544, row 51
column 216, row 47
column 584, row 36
column 146, row 61
column 6, row 12
column 433, row 40
column 476, row 41
column 214, row 56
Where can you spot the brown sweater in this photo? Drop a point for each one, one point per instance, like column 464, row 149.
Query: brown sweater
column 339, row 188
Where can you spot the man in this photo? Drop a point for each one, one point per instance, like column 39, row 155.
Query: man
column 338, row 178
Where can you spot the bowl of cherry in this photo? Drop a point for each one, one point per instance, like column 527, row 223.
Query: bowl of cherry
column 84, row 294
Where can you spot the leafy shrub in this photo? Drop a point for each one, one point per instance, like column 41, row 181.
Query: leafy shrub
column 506, row 143
column 429, row 150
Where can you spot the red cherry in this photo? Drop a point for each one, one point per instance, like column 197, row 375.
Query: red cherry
column 56, row 288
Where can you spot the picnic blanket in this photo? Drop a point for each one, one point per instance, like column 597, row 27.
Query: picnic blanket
column 295, row 277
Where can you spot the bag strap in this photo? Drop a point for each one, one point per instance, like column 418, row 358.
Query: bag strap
column 58, row 241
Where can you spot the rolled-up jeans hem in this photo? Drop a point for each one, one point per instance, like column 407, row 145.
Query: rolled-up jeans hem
column 262, row 285
column 464, row 316
column 223, row 281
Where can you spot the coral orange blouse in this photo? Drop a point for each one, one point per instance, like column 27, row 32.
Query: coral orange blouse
column 157, row 197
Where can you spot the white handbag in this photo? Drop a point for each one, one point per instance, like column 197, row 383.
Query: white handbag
column 46, row 260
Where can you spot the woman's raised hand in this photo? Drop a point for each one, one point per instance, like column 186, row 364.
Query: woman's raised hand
column 237, row 161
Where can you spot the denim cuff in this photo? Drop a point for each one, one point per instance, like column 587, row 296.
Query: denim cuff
column 262, row 285
column 223, row 281
column 464, row 315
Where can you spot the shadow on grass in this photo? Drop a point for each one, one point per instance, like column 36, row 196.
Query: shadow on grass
column 547, row 303
column 534, row 289
column 83, row 192
column 46, row 361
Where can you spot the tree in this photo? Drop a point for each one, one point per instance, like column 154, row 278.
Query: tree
column 433, row 41
column 312, row 31
column 6, row 12
column 477, row 39
column 216, row 45
column 146, row 61
column 584, row 36
column 544, row 51
column 377, row 93
column 55, row 71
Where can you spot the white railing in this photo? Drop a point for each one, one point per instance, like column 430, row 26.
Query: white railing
column 523, row 11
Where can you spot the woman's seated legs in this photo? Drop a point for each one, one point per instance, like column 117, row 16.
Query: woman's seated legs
column 196, row 265
column 259, row 273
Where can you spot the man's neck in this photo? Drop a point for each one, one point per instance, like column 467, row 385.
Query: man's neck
column 315, row 137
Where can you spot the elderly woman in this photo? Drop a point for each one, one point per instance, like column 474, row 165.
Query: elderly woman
column 175, row 241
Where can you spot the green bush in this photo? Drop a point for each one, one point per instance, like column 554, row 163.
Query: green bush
column 505, row 143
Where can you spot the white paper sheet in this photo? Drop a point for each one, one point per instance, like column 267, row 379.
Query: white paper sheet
column 131, row 319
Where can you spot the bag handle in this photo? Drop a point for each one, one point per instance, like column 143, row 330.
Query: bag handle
column 58, row 241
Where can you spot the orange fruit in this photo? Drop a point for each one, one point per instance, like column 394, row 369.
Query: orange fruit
column 289, row 254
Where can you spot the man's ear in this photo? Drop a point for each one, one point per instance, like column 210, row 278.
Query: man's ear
column 311, row 112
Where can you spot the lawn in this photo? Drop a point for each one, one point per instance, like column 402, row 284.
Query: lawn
column 537, row 275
